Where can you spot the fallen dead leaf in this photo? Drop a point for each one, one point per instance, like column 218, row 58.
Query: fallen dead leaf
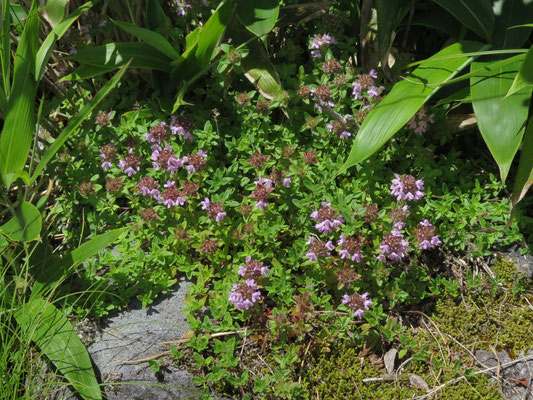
column 417, row 382
column 390, row 358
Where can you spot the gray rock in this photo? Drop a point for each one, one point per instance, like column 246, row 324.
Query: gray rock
column 513, row 374
column 135, row 334
column 523, row 262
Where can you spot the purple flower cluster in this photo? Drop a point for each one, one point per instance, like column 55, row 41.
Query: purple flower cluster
column 393, row 246
column 244, row 295
column 351, row 248
column 318, row 248
column 358, row 304
column 148, row 186
column 425, row 234
column 319, row 42
column 171, row 197
column 253, row 269
column 407, row 187
column 214, row 210
column 196, row 162
column 108, row 153
column 261, row 193
column 165, row 159
column 158, row 133
column 365, row 84
column 130, row 164
column 419, row 122
column 327, row 219
column 339, row 129
column 181, row 126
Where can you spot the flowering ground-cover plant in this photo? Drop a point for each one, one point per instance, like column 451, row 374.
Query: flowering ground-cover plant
column 248, row 205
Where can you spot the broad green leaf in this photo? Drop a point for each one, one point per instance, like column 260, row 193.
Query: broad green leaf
column 258, row 16
column 25, row 225
column 259, row 70
column 501, row 120
column 54, row 11
column 154, row 39
column 51, row 331
column 524, row 175
column 52, row 274
column 155, row 16
column 85, row 71
column 390, row 13
column 476, row 15
column 115, row 55
column 442, row 21
column 196, row 58
column 76, row 122
column 17, row 133
column 509, row 13
column 405, row 99
column 525, row 74
column 43, row 55
column 13, row 176
column 5, row 53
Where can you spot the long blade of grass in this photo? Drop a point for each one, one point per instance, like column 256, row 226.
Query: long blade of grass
column 51, row 331
column 476, row 15
column 501, row 120
column 154, row 39
column 525, row 74
column 76, row 122
column 509, row 13
column 115, row 55
column 5, row 53
column 404, row 100
column 43, row 55
column 85, row 71
column 524, row 175
column 17, row 133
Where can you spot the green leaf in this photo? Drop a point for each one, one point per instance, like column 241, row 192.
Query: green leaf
column 5, row 53
column 390, row 13
column 54, row 273
column 13, row 176
column 43, row 55
column 509, row 13
column 17, row 133
column 476, row 15
column 85, row 71
column 525, row 74
column 76, row 122
column 115, row 55
column 52, row 332
column 442, row 21
column 25, row 225
column 259, row 70
column 151, row 38
column 54, row 11
column 197, row 57
column 405, row 99
column 501, row 120
column 258, row 16
column 155, row 16
column 524, row 175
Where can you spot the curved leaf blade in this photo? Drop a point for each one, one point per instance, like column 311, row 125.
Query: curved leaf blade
column 501, row 120
column 524, row 175
column 476, row 15
column 524, row 77
column 115, row 55
column 52, row 332
column 25, row 225
column 54, row 11
column 260, row 71
column 154, row 39
column 405, row 99
column 258, row 16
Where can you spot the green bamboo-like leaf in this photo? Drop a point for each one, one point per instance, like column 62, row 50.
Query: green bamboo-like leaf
column 509, row 13
column 258, row 16
column 405, row 99
column 501, row 120
column 52, row 332
column 25, row 225
column 524, row 77
column 524, row 175
column 84, row 72
column 115, row 55
column 5, row 53
column 197, row 57
column 43, row 55
column 17, row 133
column 476, row 15
column 155, row 16
column 76, row 122
column 54, row 11
column 259, row 70
column 52, row 274
column 390, row 13
column 154, row 39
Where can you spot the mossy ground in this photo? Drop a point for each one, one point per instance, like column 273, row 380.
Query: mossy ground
column 487, row 314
